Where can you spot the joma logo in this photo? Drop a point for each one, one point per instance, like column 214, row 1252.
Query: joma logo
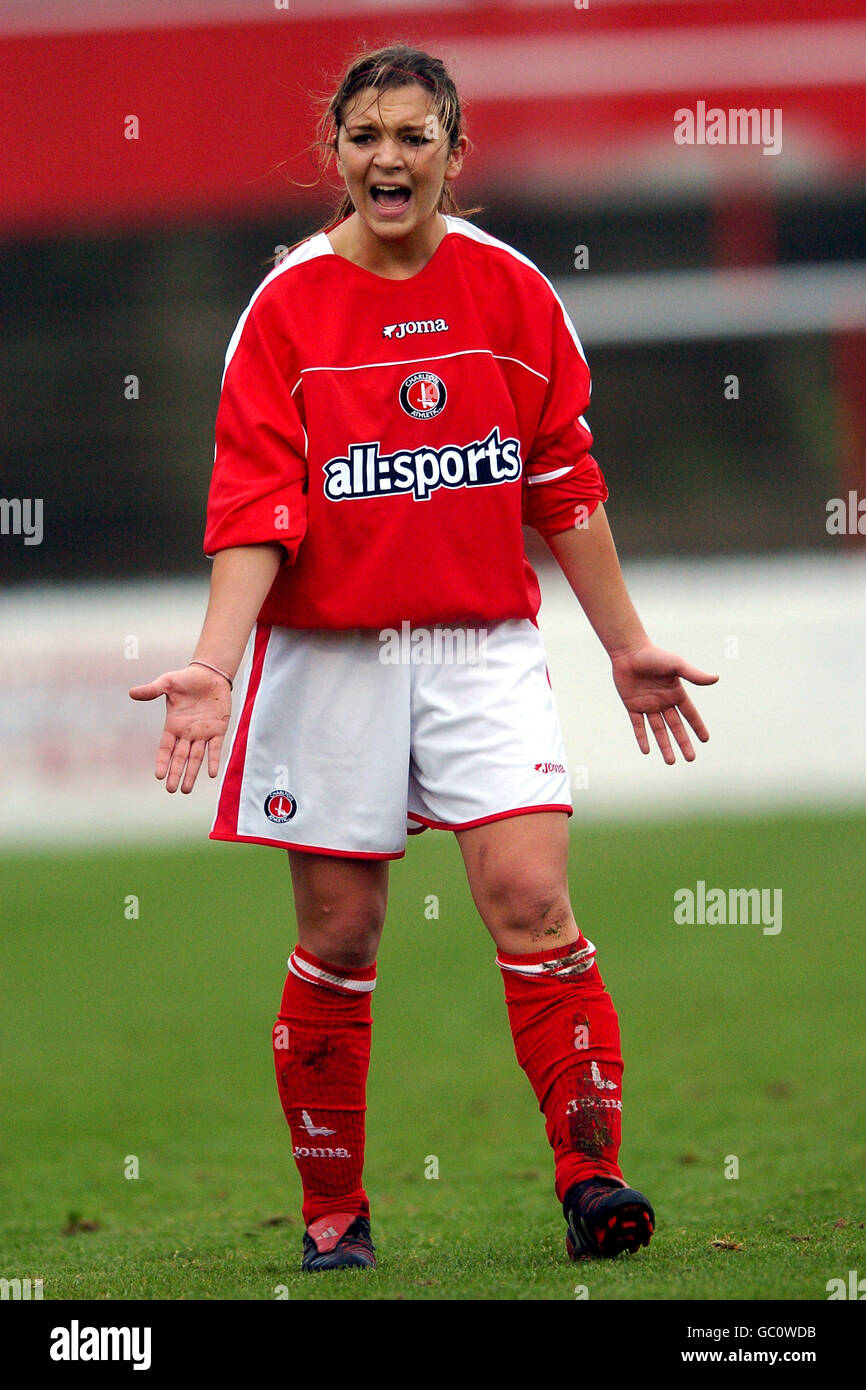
column 404, row 330
column 304, row 1151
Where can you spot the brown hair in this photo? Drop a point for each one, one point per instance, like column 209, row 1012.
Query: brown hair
column 383, row 69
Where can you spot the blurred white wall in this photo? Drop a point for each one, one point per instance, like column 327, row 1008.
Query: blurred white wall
column 787, row 635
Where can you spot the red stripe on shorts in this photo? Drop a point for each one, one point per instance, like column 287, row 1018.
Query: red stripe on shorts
column 427, row 824
column 230, row 796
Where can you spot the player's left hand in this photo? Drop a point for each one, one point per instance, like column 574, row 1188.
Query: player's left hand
column 649, row 682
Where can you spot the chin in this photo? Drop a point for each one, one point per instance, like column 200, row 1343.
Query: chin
column 389, row 231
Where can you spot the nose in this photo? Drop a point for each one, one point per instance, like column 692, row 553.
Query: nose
column 389, row 153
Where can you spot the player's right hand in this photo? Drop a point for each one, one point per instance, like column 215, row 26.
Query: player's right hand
column 197, row 712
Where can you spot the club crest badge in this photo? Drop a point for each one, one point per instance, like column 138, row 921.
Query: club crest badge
column 280, row 806
column 423, row 395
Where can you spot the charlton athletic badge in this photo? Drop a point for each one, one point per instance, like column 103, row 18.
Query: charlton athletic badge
column 280, row 806
column 423, row 395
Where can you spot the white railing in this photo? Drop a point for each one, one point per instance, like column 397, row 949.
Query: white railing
column 686, row 305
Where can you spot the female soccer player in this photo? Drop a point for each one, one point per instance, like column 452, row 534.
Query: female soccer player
column 400, row 394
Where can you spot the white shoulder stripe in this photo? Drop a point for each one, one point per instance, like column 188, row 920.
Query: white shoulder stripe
column 549, row 476
column 467, row 229
column 317, row 245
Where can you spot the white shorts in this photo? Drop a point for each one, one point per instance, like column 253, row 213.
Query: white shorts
column 346, row 741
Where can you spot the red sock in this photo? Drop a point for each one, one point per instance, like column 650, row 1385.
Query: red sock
column 566, row 1037
column 322, row 1055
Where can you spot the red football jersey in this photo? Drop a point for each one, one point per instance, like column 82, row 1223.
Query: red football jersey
column 394, row 435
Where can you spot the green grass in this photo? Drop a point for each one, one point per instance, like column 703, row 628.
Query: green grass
column 151, row 1037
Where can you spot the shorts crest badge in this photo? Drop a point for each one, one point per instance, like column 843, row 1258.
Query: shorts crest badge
column 280, row 806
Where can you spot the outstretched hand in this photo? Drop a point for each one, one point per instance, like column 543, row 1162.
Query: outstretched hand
column 649, row 682
column 197, row 713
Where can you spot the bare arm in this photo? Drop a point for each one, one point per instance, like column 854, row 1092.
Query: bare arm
column 198, row 700
column 588, row 559
column 240, row 580
column 647, row 678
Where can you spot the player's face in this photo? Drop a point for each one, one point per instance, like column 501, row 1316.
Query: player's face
column 395, row 159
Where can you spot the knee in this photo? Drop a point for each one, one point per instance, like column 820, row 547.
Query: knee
column 531, row 906
column 343, row 931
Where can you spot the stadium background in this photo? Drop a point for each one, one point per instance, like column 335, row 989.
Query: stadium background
column 128, row 258
column 132, row 258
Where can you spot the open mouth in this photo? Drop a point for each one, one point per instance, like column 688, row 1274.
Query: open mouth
column 390, row 196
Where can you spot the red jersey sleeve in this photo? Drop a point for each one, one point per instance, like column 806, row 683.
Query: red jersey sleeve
column 258, row 490
column 561, row 475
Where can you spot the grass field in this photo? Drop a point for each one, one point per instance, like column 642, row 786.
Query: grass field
column 150, row 1037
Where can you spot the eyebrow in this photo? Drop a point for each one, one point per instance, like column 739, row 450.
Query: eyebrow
column 372, row 125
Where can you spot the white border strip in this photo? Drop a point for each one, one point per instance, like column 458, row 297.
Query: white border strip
column 66, row 16
column 698, row 60
column 683, row 306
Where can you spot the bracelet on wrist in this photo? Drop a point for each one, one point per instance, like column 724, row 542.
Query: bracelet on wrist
column 224, row 674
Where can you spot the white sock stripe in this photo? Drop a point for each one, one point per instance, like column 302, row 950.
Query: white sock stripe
column 314, row 975
column 573, row 964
